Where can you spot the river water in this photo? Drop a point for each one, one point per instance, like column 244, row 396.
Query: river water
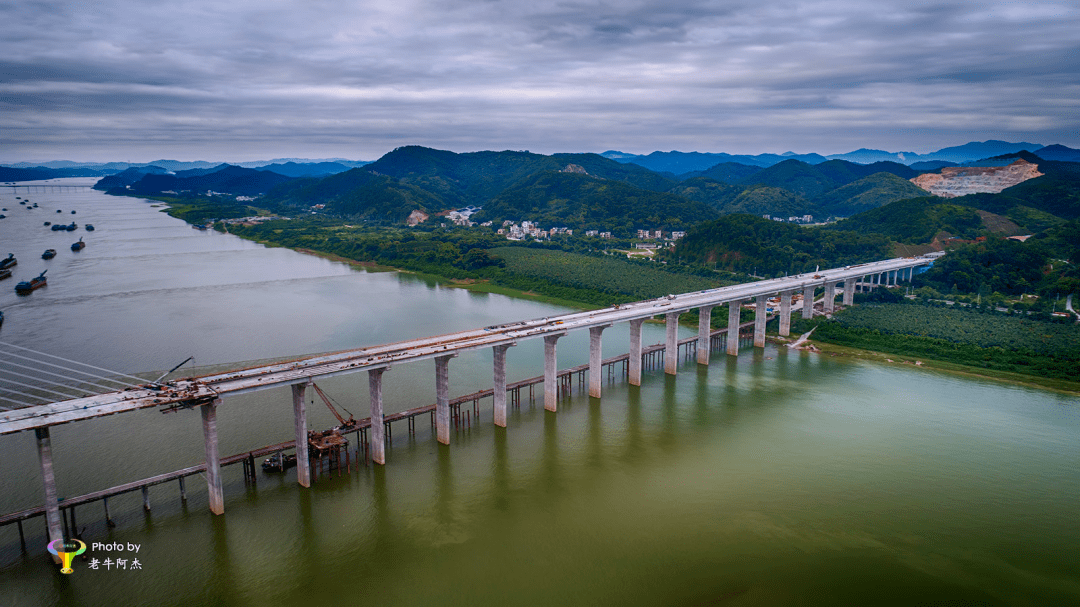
column 774, row 478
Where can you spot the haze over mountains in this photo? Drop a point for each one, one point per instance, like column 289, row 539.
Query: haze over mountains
column 685, row 162
column 674, row 162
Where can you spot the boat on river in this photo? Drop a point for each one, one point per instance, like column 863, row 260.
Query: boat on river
column 5, row 274
column 48, row 223
column 71, row 227
column 27, row 286
column 9, row 262
column 78, row 246
column 279, row 462
column 48, row 254
column 89, row 227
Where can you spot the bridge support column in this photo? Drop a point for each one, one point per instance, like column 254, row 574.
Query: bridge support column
column 671, row 344
column 830, row 297
column 808, row 302
column 213, row 461
column 704, row 329
column 442, row 398
column 785, row 313
column 52, row 510
column 734, row 307
column 635, row 351
column 849, row 291
column 596, row 359
column 378, row 429
column 760, row 316
column 303, row 461
column 551, row 370
column 498, row 413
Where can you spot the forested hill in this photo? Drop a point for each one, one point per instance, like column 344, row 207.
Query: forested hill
column 581, row 201
column 523, row 186
column 746, row 243
column 228, row 179
column 593, row 192
column 476, row 176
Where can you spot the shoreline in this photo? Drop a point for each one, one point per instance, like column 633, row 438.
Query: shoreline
column 1004, row 377
column 468, row 285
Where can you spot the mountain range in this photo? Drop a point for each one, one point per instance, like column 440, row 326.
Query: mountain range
column 592, row 191
column 589, row 191
column 684, row 162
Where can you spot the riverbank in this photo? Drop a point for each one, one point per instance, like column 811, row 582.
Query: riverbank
column 885, row 358
column 476, row 286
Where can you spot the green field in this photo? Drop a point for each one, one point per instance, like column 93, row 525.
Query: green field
column 960, row 336
column 609, row 274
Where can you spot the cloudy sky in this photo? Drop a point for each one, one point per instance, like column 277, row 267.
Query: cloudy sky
column 255, row 79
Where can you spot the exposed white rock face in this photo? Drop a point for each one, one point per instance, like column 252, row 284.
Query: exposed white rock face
column 960, row 181
column 417, row 217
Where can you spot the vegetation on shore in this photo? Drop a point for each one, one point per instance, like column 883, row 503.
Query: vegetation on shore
column 587, row 277
column 966, row 336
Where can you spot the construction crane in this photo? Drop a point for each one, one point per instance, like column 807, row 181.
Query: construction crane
column 346, row 425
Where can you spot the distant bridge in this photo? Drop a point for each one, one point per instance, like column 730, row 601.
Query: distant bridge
column 207, row 392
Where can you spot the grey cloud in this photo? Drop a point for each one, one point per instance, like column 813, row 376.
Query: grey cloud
column 356, row 79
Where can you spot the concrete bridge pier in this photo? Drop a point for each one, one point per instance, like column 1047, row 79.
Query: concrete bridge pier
column 635, row 351
column 760, row 315
column 498, row 395
column 52, row 510
column 442, row 397
column 808, row 302
column 596, row 358
column 830, row 297
column 703, row 334
column 213, row 460
column 785, row 312
column 734, row 307
column 378, row 429
column 671, row 344
column 849, row 291
column 551, row 370
column 303, row 470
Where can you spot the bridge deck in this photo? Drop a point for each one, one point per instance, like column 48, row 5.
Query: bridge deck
column 204, row 389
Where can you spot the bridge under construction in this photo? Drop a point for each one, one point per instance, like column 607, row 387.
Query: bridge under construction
column 208, row 392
